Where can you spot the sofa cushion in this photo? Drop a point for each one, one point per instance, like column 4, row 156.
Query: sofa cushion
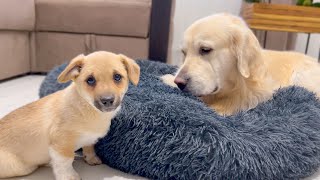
column 109, row 17
column 52, row 48
column 136, row 48
column 14, row 50
column 17, row 15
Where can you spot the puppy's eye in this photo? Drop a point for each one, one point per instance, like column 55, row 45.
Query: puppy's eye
column 117, row 77
column 205, row 50
column 91, row 81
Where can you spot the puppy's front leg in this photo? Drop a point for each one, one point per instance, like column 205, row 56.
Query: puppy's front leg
column 90, row 155
column 61, row 160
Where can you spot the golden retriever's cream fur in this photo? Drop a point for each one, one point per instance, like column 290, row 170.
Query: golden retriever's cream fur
column 226, row 67
column 52, row 128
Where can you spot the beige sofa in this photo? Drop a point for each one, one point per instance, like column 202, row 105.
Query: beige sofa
column 36, row 35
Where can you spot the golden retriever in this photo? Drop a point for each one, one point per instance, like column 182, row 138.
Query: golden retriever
column 226, row 67
column 52, row 128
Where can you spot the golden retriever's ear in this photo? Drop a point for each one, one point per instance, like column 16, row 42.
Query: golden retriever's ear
column 72, row 70
column 247, row 49
column 132, row 67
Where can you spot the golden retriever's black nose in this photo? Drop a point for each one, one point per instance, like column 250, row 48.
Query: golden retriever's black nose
column 180, row 82
column 107, row 101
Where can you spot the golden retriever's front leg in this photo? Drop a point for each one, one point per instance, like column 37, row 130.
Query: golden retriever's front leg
column 169, row 80
column 90, row 155
column 61, row 160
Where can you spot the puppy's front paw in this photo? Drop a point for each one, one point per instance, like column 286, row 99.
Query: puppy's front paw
column 72, row 176
column 169, row 80
column 92, row 160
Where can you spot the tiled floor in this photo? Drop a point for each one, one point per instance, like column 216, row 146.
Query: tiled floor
column 17, row 92
column 20, row 91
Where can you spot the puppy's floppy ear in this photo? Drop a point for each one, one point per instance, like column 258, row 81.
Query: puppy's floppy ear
column 132, row 67
column 72, row 70
column 246, row 48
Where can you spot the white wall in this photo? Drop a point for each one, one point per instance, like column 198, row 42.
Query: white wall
column 188, row 11
column 314, row 44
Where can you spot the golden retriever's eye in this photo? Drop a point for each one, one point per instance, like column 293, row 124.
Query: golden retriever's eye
column 183, row 52
column 91, row 81
column 204, row 50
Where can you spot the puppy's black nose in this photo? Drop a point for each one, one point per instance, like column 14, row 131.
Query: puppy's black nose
column 107, row 100
column 181, row 83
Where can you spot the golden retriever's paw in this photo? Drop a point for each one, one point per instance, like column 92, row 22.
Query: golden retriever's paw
column 92, row 160
column 169, row 80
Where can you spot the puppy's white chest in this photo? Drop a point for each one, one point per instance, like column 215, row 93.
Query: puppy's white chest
column 98, row 130
column 87, row 139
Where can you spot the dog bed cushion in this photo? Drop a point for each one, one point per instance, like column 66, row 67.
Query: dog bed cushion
column 163, row 133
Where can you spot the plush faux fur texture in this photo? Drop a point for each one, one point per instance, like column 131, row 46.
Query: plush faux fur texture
column 162, row 133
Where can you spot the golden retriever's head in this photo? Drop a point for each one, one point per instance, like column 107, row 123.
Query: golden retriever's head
column 102, row 78
column 217, row 50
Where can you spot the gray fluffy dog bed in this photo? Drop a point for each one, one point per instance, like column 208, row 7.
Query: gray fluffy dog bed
column 162, row 133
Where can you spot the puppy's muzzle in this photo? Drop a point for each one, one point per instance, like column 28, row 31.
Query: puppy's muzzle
column 106, row 103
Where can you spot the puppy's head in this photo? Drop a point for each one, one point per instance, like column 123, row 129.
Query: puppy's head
column 101, row 78
column 216, row 50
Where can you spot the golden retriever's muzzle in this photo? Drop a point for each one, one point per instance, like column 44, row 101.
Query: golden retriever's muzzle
column 107, row 103
column 187, row 84
column 181, row 83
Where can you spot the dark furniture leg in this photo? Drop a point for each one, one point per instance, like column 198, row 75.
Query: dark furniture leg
column 307, row 45
column 159, row 30
column 319, row 56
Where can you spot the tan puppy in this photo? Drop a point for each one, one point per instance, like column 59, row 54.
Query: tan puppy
column 52, row 128
column 226, row 67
